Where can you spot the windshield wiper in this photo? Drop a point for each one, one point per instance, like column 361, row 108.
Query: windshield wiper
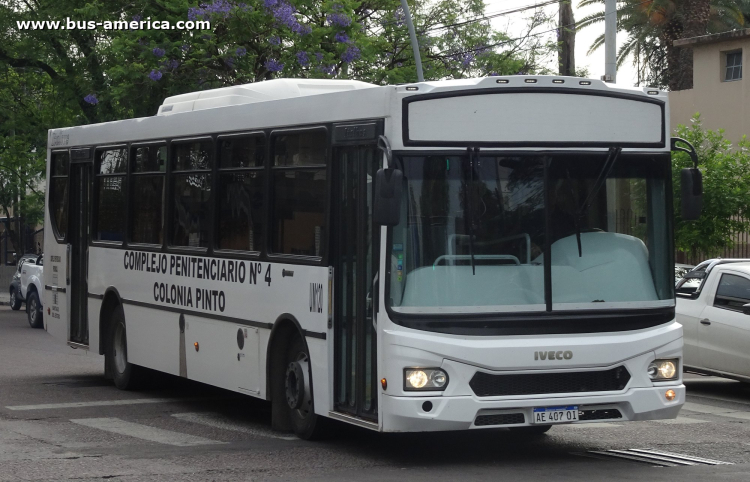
column 614, row 153
column 468, row 211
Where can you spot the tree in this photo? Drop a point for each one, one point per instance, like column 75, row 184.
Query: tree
column 652, row 26
column 26, row 105
column 726, row 190
column 566, row 32
column 113, row 74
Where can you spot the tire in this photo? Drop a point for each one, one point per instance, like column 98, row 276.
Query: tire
column 298, row 393
column 15, row 301
column 531, row 431
column 34, row 310
column 125, row 375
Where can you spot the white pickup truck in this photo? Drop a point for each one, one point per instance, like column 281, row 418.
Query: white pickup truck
column 31, row 289
column 715, row 317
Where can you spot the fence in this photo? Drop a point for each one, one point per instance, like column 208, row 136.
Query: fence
column 741, row 249
column 633, row 223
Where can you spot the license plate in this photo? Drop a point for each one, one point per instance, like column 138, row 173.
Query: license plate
column 549, row 415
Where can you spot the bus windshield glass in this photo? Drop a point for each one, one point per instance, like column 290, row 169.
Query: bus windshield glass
column 476, row 232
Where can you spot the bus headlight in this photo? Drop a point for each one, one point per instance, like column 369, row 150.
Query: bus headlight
column 425, row 379
column 664, row 369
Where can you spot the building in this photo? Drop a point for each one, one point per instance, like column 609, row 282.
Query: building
column 721, row 90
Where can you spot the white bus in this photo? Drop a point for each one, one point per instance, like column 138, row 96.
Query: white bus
column 450, row 255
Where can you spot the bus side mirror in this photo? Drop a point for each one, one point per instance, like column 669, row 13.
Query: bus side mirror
column 387, row 202
column 691, row 181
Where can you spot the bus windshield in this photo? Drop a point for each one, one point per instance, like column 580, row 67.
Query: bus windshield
column 476, row 231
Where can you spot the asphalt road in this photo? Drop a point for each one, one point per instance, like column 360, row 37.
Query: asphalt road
column 60, row 420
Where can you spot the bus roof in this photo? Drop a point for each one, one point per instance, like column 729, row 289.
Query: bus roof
column 288, row 102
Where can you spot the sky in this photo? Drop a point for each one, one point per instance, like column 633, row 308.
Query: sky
column 516, row 23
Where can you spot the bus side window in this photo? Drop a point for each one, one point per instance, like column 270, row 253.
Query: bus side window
column 299, row 193
column 58, row 199
column 192, row 162
column 149, row 164
column 109, row 213
column 241, row 193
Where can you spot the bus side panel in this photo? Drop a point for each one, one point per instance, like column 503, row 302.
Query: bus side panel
column 56, row 322
column 214, row 356
column 153, row 338
column 95, row 308
column 219, row 304
column 323, row 390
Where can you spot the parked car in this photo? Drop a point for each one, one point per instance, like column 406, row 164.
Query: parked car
column 16, row 300
column 716, row 318
column 31, row 289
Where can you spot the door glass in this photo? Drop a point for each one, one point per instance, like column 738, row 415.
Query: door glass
column 79, row 239
column 355, row 268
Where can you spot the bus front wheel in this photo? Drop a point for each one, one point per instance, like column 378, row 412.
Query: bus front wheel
column 298, row 393
column 126, row 375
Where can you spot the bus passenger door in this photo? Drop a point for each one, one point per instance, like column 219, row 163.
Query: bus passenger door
column 78, row 244
column 354, row 257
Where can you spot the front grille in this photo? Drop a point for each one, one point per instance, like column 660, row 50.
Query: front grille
column 489, row 385
column 606, row 414
column 501, row 419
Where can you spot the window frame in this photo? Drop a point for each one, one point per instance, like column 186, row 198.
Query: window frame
column 272, row 256
column 212, row 251
column 56, row 233
column 718, row 297
column 215, row 249
column 94, row 214
column 725, row 64
column 131, row 185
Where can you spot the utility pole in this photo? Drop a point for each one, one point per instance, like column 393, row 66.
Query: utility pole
column 414, row 44
column 567, row 39
column 610, row 41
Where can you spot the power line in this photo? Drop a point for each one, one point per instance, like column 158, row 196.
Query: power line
column 494, row 15
column 479, row 19
column 505, row 42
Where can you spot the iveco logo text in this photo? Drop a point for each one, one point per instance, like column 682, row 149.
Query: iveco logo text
column 553, row 355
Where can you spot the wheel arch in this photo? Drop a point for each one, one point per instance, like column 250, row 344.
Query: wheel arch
column 284, row 329
column 110, row 301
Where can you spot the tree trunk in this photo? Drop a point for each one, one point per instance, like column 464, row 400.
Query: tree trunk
column 566, row 37
column 696, row 14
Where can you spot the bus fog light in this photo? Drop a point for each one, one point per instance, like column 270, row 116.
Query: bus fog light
column 425, row 379
column 670, row 395
column 660, row 370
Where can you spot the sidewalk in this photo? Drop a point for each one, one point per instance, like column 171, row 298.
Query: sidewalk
column 4, row 298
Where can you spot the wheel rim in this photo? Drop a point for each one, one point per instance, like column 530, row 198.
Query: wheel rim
column 13, row 298
column 304, row 409
column 33, row 309
column 120, row 348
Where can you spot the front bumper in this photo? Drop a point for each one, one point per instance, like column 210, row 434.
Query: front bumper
column 406, row 414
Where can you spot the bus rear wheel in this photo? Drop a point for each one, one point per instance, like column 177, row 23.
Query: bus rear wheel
column 298, row 393
column 126, row 375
